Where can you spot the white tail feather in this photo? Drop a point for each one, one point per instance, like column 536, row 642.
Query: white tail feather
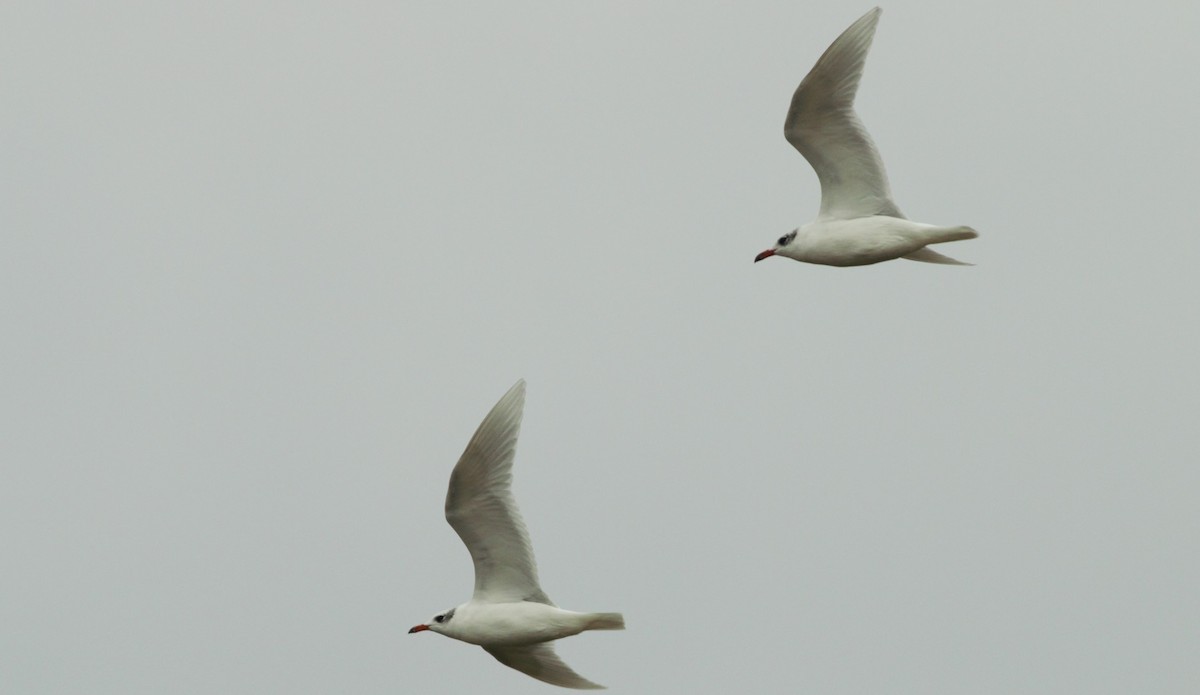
column 606, row 621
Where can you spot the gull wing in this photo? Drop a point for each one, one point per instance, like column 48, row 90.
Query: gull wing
column 823, row 126
column 481, row 509
column 540, row 661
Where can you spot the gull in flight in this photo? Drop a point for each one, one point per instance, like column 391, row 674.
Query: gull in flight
column 859, row 223
column 509, row 615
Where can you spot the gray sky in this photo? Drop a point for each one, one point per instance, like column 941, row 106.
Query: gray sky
column 266, row 267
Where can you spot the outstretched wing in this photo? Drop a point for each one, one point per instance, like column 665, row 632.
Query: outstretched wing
column 481, row 509
column 823, row 126
column 540, row 661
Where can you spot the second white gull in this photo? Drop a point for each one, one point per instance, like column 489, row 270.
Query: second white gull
column 859, row 223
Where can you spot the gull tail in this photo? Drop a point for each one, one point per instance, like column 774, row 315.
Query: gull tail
column 940, row 234
column 605, row 621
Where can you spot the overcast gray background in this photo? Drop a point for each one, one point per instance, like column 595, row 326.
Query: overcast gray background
column 266, row 266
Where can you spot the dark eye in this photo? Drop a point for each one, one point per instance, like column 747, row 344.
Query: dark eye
column 783, row 240
column 439, row 618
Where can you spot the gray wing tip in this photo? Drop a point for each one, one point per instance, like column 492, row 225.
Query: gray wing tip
column 517, row 388
column 862, row 31
column 512, row 400
column 867, row 22
column 928, row 255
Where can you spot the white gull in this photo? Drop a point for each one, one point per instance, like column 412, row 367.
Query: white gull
column 859, row 223
column 509, row 615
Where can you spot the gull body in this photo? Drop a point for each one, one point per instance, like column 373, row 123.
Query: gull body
column 508, row 615
column 514, row 623
column 859, row 223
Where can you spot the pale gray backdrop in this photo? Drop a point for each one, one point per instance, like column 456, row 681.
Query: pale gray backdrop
column 266, row 266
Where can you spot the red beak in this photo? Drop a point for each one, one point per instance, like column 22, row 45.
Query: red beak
column 418, row 628
column 765, row 254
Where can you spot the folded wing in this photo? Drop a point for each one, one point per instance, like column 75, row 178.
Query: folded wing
column 823, row 126
column 481, row 509
column 540, row 661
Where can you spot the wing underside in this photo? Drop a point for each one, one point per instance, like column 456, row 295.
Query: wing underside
column 540, row 662
column 823, row 126
column 481, row 509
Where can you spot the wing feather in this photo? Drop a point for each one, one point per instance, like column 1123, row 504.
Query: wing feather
column 481, row 508
column 822, row 125
column 540, row 661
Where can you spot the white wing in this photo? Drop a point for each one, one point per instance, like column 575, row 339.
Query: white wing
column 540, row 661
column 481, row 508
column 822, row 125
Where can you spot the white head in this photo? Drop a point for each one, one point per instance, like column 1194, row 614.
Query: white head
column 438, row 623
column 779, row 244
